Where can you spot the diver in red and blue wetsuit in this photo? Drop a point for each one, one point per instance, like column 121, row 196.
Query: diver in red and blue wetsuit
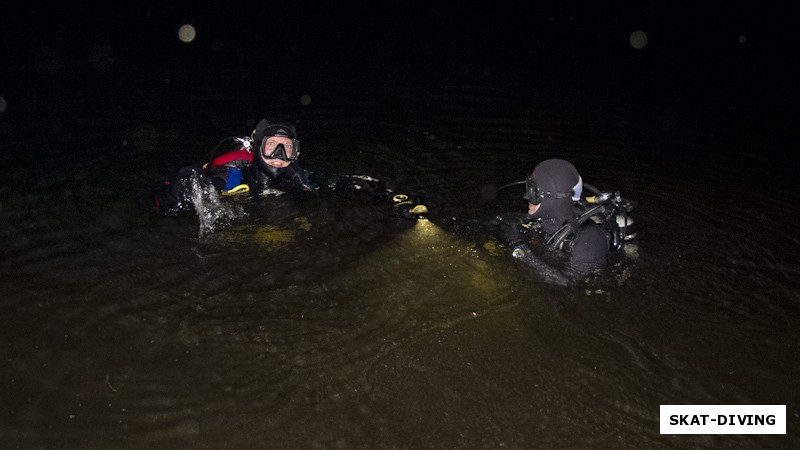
column 268, row 157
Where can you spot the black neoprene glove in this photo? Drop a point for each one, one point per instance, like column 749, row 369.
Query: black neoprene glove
column 511, row 235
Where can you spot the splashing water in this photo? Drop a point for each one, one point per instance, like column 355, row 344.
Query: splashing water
column 210, row 208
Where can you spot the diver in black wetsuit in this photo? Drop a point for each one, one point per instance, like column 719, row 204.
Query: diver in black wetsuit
column 267, row 158
column 580, row 232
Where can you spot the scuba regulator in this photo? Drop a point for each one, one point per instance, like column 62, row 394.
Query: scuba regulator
column 610, row 210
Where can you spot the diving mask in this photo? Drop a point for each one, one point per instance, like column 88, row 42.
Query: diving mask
column 272, row 149
column 534, row 195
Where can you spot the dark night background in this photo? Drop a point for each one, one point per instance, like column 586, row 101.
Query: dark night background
column 95, row 57
column 691, row 49
column 320, row 322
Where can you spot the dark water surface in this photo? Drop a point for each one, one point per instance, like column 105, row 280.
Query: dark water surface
column 323, row 322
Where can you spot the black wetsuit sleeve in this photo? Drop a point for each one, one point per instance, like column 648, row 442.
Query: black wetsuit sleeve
column 220, row 174
column 408, row 206
column 260, row 177
column 347, row 184
column 585, row 255
column 510, row 230
column 175, row 194
column 219, row 177
column 297, row 175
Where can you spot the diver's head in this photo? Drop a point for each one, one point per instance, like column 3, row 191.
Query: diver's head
column 552, row 189
column 277, row 143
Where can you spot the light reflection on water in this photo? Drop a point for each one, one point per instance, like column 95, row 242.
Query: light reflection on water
column 324, row 321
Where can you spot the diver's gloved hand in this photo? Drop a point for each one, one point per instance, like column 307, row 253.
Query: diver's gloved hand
column 510, row 234
column 310, row 186
column 299, row 175
column 164, row 199
column 411, row 208
column 173, row 196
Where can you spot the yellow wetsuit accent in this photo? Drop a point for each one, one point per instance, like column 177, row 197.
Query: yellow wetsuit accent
column 240, row 189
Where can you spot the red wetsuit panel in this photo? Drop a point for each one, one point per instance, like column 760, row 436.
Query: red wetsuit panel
column 236, row 155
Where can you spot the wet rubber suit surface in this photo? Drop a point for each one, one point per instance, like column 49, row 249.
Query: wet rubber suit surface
column 238, row 165
column 175, row 194
column 580, row 254
column 553, row 190
column 267, row 158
